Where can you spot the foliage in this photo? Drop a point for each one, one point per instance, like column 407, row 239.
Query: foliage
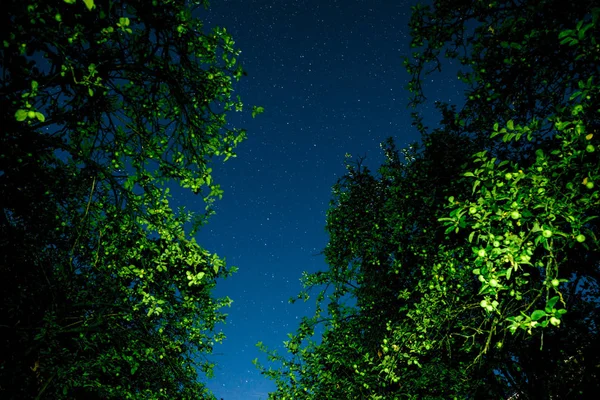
column 468, row 267
column 105, row 292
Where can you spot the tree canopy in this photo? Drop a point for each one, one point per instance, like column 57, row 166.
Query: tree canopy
column 104, row 291
column 468, row 266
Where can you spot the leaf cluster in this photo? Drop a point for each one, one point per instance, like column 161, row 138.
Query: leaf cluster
column 467, row 267
column 104, row 103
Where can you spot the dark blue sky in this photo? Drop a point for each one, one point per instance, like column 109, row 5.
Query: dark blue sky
column 330, row 77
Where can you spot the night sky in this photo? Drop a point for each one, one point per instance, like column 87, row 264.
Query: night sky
column 330, row 77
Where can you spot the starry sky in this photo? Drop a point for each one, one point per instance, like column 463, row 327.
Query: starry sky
column 329, row 74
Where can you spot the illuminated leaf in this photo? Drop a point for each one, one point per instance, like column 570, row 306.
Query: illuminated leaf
column 89, row 4
column 21, row 115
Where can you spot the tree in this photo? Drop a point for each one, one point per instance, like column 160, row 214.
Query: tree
column 105, row 291
column 470, row 268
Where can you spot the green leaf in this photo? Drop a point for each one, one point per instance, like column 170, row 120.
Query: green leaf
column 21, row 115
column 257, row 111
column 510, row 124
column 566, row 40
column 565, row 34
column 89, row 4
column 550, row 304
column 575, row 95
column 475, row 185
column 537, row 314
column 471, row 236
column 40, row 116
column 516, row 46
